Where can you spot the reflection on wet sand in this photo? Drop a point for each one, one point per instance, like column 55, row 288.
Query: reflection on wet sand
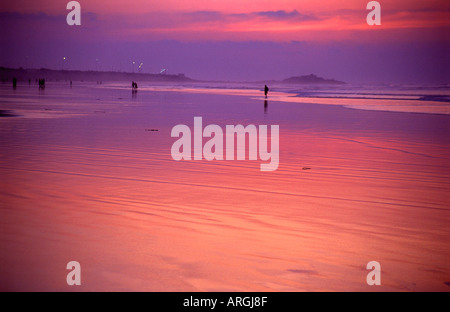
column 102, row 190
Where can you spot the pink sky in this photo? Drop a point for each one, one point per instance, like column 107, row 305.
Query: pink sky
column 419, row 24
column 249, row 20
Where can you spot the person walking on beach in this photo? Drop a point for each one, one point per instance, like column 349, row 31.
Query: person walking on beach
column 266, row 90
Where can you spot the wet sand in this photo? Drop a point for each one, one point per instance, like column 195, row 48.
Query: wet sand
column 83, row 178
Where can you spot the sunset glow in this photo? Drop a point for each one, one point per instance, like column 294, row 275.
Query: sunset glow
column 150, row 30
column 135, row 138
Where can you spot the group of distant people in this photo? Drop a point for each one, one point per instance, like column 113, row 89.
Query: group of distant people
column 134, row 85
column 41, row 82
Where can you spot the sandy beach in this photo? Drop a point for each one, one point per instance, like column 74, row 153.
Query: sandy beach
column 87, row 175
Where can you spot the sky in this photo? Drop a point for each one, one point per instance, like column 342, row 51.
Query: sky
column 234, row 40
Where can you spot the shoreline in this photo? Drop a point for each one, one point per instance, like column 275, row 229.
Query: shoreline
column 425, row 102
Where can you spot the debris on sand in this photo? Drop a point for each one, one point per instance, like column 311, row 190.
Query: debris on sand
column 6, row 113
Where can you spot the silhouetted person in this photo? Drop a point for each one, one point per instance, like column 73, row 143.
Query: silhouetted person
column 266, row 90
column 134, row 87
column 14, row 82
column 41, row 83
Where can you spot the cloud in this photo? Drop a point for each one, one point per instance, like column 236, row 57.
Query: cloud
column 214, row 25
column 280, row 15
column 204, row 16
column 41, row 17
column 284, row 15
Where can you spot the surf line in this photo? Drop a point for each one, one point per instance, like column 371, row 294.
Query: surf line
column 213, row 148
